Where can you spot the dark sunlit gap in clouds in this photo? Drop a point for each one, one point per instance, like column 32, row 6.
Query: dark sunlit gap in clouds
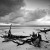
column 25, row 12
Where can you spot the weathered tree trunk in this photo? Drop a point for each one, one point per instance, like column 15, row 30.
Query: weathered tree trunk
column 9, row 33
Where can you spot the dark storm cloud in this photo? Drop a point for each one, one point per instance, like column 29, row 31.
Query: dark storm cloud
column 7, row 6
column 11, row 17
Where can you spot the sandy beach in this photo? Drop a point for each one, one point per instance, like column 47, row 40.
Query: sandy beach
column 13, row 46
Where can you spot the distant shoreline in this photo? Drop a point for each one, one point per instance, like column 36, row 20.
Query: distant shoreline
column 25, row 26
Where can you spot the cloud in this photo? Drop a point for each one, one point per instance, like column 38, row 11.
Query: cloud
column 47, row 19
column 42, row 21
column 7, row 6
column 30, row 16
column 22, row 16
column 11, row 17
column 10, row 10
column 37, row 14
column 13, row 11
column 19, row 20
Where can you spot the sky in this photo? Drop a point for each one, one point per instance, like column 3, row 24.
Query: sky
column 25, row 12
column 34, row 4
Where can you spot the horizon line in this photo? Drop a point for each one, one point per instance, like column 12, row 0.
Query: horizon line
column 25, row 25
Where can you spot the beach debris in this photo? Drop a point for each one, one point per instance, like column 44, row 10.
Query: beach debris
column 35, row 39
column 44, row 30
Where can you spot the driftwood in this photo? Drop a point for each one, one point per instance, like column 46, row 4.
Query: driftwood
column 34, row 40
column 45, row 30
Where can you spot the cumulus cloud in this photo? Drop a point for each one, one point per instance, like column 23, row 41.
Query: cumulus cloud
column 19, row 20
column 37, row 14
column 42, row 21
column 28, row 16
